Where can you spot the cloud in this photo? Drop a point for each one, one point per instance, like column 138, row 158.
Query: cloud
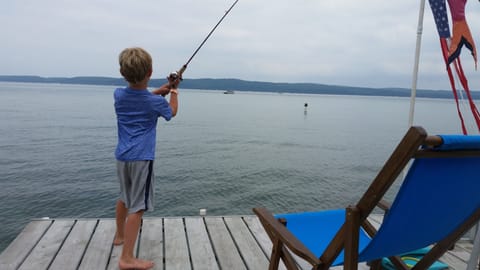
column 334, row 42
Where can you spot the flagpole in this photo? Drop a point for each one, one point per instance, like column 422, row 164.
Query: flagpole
column 416, row 63
column 415, row 70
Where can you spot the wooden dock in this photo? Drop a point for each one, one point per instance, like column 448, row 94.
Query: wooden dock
column 210, row 243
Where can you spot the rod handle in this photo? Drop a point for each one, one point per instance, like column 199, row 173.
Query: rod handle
column 180, row 72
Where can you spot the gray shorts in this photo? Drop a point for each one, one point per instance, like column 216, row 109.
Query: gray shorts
column 136, row 184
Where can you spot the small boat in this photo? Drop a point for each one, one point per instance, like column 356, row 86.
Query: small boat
column 229, row 92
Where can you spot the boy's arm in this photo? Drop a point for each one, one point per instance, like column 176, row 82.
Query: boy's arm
column 173, row 86
column 174, row 101
column 165, row 89
column 162, row 90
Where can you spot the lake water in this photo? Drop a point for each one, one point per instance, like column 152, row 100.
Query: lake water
column 225, row 153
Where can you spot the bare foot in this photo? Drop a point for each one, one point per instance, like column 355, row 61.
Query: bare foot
column 134, row 264
column 117, row 241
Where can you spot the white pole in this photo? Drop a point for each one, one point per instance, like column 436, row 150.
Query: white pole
column 415, row 70
column 416, row 63
column 473, row 262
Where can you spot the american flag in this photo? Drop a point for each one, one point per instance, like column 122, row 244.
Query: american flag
column 439, row 10
column 461, row 36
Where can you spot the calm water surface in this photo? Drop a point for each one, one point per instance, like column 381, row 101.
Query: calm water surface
column 226, row 153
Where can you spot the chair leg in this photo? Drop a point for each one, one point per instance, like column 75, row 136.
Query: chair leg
column 279, row 249
column 275, row 257
column 398, row 262
column 280, row 252
column 352, row 222
column 375, row 265
column 288, row 260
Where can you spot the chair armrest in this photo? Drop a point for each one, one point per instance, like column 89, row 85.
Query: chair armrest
column 433, row 141
column 277, row 231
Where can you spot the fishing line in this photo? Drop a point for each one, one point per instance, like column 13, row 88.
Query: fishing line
column 178, row 74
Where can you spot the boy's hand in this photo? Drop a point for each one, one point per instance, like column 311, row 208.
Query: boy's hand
column 173, row 82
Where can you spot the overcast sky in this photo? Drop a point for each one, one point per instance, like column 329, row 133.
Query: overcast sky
column 344, row 42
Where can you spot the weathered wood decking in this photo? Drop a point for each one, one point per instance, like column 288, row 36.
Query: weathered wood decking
column 210, row 243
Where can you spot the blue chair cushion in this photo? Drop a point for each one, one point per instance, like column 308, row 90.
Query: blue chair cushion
column 316, row 229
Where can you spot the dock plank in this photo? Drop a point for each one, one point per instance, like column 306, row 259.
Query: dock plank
column 460, row 253
column 248, row 247
column 19, row 249
column 46, row 249
column 74, row 246
column 199, row 243
column 202, row 254
column 227, row 253
column 151, row 242
column 376, row 220
column 98, row 251
column 466, row 245
column 453, row 262
column 114, row 257
column 176, row 249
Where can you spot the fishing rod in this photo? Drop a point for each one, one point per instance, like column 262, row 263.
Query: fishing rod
column 178, row 74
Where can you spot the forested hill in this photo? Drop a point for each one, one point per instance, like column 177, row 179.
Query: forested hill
column 242, row 85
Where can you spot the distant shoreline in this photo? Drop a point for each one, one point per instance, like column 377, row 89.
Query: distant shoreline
column 242, row 85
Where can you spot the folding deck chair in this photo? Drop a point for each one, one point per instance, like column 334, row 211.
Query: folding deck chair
column 438, row 201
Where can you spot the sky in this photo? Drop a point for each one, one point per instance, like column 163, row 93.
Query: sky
column 339, row 42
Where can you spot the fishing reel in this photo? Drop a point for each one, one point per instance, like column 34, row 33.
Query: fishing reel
column 174, row 79
column 174, row 76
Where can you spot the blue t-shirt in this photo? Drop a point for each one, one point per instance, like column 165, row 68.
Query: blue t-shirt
column 137, row 114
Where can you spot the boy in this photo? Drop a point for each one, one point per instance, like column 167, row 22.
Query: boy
column 137, row 112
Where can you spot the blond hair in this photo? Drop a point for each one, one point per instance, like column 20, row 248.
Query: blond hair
column 135, row 64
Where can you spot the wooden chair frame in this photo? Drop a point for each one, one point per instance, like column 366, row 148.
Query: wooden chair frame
column 347, row 237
